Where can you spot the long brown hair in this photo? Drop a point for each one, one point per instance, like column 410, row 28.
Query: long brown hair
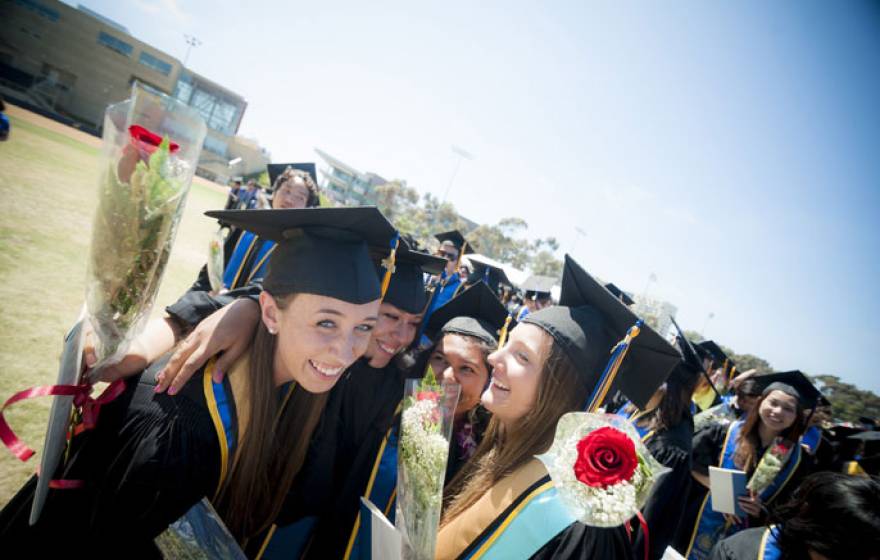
column 501, row 452
column 272, row 450
column 749, row 441
column 674, row 406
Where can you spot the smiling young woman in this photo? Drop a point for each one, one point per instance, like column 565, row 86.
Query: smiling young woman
column 778, row 423
column 239, row 442
column 502, row 503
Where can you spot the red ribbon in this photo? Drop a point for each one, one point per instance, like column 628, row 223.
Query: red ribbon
column 81, row 398
column 644, row 524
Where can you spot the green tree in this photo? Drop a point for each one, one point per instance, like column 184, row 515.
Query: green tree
column 397, row 201
column 848, row 402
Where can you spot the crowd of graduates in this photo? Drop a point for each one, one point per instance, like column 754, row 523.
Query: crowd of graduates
column 278, row 398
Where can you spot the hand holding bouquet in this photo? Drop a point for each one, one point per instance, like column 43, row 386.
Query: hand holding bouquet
column 770, row 465
column 141, row 196
column 426, row 426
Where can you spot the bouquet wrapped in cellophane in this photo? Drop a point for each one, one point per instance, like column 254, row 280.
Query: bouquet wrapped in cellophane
column 151, row 144
column 770, row 465
column 601, row 468
column 426, row 428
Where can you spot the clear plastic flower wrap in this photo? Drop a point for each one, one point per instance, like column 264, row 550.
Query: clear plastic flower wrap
column 426, row 428
column 602, row 470
column 199, row 534
column 151, row 145
column 215, row 261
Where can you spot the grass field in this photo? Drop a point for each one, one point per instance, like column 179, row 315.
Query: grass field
column 48, row 180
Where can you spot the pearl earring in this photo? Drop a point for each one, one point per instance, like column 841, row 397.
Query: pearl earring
column 273, row 331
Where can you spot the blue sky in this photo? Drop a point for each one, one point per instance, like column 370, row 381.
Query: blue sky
column 729, row 148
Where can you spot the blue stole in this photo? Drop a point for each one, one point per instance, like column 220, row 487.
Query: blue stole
column 710, row 526
column 521, row 314
column 444, row 292
column 811, row 439
column 220, row 408
column 242, row 266
column 533, row 519
column 643, row 431
column 769, row 547
column 381, row 489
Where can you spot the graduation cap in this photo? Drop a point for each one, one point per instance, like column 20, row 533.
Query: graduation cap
column 457, row 239
column 714, row 351
column 536, row 286
column 588, row 322
column 793, row 383
column 619, row 294
column 406, row 289
column 491, row 275
column 692, row 364
column 276, row 169
column 322, row 251
column 474, row 312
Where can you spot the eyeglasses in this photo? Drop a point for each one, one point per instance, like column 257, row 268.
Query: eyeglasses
column 447, row 256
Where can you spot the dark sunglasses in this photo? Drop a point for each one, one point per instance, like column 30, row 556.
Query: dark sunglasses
column 447, row 256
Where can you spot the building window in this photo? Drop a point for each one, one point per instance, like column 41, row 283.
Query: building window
column 215, row 145
column 40, row 9
column 115, row 44
column 183, row 91
column 156, row 64
column 219, row 114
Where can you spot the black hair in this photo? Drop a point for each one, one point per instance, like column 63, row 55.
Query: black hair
column 832, row 514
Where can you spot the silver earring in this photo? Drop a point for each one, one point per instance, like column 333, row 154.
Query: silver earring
column 273, row 331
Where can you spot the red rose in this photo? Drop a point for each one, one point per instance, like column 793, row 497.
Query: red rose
column 142, row 143
column 427, row 396
column 147, row 141
column 605, row 457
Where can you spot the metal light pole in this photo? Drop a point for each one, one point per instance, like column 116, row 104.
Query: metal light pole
column 462, row 155
column 191, row 41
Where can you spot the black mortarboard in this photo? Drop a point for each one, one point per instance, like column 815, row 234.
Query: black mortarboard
column 536, row 286
column 692, row 364
column 793, row 383
column 491, row 275
column 276, row 169
column 619, row 294
column 406, row 290
column 715, row 352
column 474, row 312
column 457, row 239
column 321, row 251
column 587, row 324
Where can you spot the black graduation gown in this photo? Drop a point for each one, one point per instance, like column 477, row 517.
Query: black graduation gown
column 579, row 542
column 663, row 510
column 707, row 445
column 149, row 459
column 361, row 409
column 744, row 545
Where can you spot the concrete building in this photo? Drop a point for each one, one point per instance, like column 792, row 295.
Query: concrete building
column 344, row 184
column 72, row 62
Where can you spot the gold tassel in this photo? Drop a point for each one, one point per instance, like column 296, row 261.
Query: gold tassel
column 609, row 379
column 460, row 255
column 389, row 266
column 502, row 335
